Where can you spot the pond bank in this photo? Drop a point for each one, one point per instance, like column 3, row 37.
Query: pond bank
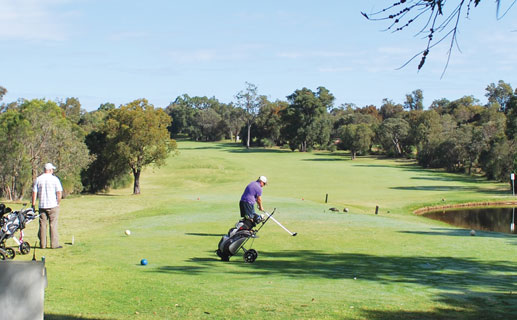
column 466, row 205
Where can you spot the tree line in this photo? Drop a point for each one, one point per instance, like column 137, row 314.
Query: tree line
column 98, row 150
column 461, row 135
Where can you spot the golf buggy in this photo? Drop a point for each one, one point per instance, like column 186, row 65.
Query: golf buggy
column 10, row 222
column 238, row 236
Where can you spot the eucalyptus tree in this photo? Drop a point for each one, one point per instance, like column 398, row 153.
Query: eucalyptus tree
column 250, row 101
column 3, row 91
column 34, row 132
column 392, row 135
column 356, row 137
column 502, row 93
column 414, row 100
column 268, row 126
column 301, row 116
column 137, row 134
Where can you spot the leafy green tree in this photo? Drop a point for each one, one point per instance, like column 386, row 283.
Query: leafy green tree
column 499, row 160
column 390, row 109
column 268, row 126
column 302, row 114
column 72, row 109
column 502, row 93
column 3, row 91
column 137, row 133
column 211, row 125
column 39, row 133
column 392, row 134
column 357, row 138
column 415, row 100
column 249, row 100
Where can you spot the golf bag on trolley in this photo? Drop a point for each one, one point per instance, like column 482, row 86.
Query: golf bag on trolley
column 237, row 237
column 10, row 222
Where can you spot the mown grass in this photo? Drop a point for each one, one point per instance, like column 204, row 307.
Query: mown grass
column 354, row 265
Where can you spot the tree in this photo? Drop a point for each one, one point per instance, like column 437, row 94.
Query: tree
column 390, row 109
column 415, row 100
column 357, row 138
column 301, row 116
column 36, row 132
column 3, row 91
column 441, row 20
column 249, row 100
column 72, row 109
column 137, row 133
column 501, row 94
column 392, row 134
column 268, row 126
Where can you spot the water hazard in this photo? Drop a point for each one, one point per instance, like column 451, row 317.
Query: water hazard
column 487, row 218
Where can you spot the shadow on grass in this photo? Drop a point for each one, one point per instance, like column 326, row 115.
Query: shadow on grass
column 466, row 288
column 203, row 234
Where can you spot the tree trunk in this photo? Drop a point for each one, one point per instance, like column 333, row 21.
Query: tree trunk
column 136, row 185
column 249, row 136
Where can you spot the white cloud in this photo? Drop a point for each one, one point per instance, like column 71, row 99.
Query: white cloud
column 32, row 20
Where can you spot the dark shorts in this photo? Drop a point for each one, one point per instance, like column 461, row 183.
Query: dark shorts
column 247, row 209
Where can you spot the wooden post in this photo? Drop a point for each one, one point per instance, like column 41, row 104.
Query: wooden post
column 376, row 209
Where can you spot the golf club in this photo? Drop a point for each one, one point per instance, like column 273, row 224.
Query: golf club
column 270, row 217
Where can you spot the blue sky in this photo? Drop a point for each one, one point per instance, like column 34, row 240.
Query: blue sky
column 117, row 51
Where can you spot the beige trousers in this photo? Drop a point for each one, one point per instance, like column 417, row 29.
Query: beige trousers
column 51, row 215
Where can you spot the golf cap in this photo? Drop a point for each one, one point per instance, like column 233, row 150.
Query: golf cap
column 49, row 166
column 263, row 179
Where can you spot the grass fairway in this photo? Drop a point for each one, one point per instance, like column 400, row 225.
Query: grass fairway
column 354, row 265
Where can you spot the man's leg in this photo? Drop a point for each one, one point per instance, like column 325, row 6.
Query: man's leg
column 42, row 233
column 53, row 218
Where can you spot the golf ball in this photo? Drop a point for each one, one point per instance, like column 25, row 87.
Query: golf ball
column 128, row 232
column 143, row 262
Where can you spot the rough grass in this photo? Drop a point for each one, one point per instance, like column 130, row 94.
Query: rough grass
column 354, row 265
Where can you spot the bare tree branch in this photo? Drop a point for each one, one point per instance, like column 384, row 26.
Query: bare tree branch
column 404, row 13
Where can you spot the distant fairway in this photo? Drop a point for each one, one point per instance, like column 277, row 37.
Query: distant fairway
column 354, row 265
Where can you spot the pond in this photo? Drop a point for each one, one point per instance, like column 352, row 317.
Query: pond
column 501, row 219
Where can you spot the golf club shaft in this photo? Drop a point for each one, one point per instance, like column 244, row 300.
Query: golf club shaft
column 279, row 224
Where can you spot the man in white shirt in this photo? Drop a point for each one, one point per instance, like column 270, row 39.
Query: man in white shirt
column 48, row 189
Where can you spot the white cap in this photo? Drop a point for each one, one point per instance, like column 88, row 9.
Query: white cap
column 263, row 179
column 49, row 166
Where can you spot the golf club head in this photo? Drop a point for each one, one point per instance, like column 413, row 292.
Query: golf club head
column 294, row 234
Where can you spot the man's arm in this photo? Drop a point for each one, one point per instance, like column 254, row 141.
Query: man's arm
column 34, row 194
column 59, row 194
column 259, row 203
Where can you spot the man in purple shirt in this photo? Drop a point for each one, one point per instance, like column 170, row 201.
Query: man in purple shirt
column 252, row 194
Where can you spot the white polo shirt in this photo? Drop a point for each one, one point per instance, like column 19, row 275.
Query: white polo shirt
column 46, row 186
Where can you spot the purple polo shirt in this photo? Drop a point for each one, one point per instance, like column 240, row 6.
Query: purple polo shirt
column 252, row 191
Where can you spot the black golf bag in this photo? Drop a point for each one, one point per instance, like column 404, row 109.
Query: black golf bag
column 237, row 237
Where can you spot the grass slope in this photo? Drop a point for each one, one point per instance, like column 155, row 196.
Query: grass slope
column 356, row 265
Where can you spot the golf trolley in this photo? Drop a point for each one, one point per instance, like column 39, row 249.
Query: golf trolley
column 10, row 222
column 238, row 236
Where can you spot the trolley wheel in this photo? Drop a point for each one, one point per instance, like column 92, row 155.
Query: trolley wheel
column 250, row 255
column 25, row 248
column 10, row 253
column 2, row 255
column 2, row 245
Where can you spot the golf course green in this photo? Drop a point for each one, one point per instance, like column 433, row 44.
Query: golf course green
column 353, row 265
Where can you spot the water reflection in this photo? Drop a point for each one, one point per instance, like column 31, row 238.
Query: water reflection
column 500, row 219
